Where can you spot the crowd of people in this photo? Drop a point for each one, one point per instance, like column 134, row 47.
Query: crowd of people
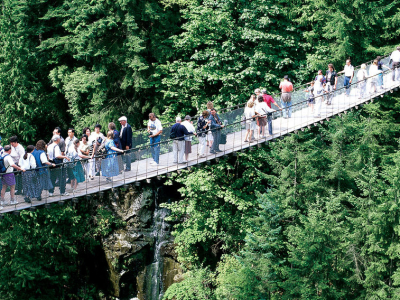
column 82, row 158
column 93, row 154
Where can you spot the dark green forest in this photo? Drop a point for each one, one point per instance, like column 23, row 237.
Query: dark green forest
column 314, row 215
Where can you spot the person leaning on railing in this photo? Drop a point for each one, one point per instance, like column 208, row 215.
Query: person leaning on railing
column 43, row 173
column 55, row 156
column 30, row 183
column 8, row 179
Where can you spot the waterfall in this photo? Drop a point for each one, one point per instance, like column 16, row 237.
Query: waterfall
column 160, row 233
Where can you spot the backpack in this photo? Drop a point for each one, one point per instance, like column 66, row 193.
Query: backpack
column 3, row 168
column 172, row 134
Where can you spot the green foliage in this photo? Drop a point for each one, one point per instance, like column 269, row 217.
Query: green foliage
column 196, row 285
column 41, row 252
column 322, row 223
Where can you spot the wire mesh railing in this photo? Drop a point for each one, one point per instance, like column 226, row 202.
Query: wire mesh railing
column 45, row 185
column 234, row 113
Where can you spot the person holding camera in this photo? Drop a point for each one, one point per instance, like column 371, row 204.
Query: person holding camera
column 154, row 128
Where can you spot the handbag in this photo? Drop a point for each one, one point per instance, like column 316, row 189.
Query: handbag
column 223, row 138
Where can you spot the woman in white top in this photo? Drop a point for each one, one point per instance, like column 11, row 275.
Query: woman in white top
column 362, row 76
column 250, row 115
column 262, row 110
column 319, row 92
column 30, row 183
column 76, row 155
column 8, row 179
column 188, row 138
column 373, row 73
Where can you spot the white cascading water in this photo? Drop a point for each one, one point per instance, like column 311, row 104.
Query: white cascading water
column 160, row 233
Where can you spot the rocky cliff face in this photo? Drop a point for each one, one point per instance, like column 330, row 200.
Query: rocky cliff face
column 140, row 257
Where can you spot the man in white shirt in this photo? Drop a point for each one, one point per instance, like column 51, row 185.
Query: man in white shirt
column 348, row 75
column 17, row 151
column 69, row 142
column 154, row 128
column 69, row 150
column 8, row 179
column 55, row 155
column 395, row 58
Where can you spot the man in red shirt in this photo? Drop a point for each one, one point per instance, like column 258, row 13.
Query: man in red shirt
column 268, row 99
column 287, row 87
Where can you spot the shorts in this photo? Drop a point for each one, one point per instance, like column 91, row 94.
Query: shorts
column 262, row 122
column 188, row 147
column 8, row 179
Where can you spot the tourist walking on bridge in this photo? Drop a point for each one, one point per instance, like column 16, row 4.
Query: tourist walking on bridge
column 188, row 137
column 374, row 73
column 251, row 124
column 30, row 182
column 216, row 126
column 8, row 179
column 125, row 136
column 109, row 164
column 43, row 173
column 395, row 60
column 209, row 136
column 362, row 76
column 17, row 151
column 381, row 65
column 311, row 97
column 319, row 91
column 331, row 83
column 154, row 128
column 178, row 131
column 57, row 131
column 202, row 125
column 117, row 142
column 286, row 96
column 348, row 75
column 58, row 173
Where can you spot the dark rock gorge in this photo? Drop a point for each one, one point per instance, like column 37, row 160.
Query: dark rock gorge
column 138, row 260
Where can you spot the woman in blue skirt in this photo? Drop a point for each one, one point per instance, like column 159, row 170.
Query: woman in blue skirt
column 76, row 155
column 109, row 164
column 42, row 170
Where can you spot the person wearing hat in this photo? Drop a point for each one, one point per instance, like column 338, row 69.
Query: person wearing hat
column 125, row 136
column 188, row 137
column 286, row 96
column 395, row 59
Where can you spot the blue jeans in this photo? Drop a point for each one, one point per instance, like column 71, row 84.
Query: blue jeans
column 287, row 109
column 347, row 84
column 380, row 79
column 127, row 160
column 269, row 121
column 155, row 148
